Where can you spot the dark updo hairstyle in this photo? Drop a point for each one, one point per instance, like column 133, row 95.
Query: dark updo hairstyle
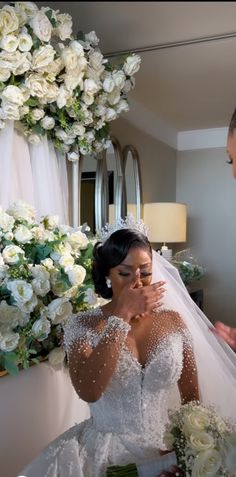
column 111, row 253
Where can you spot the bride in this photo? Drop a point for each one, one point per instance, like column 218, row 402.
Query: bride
column 145, row 351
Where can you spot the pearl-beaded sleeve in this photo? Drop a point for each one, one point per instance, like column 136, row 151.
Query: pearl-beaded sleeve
column 93, row 346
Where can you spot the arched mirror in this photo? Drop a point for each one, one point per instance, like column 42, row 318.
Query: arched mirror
column 93, row 191
column 115, row 181
column 132, row 174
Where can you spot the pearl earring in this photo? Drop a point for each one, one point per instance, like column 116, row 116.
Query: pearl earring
column 108, row 282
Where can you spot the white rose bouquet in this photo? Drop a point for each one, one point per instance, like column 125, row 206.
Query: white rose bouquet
column 205, row 444
column 56, row 84
column 45, row 276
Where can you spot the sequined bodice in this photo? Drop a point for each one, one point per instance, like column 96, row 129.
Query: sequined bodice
column 135, row 401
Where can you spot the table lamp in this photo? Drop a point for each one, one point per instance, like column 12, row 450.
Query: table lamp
column 167, row 223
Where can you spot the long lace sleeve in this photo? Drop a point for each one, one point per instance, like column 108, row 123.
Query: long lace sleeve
column 93, row 345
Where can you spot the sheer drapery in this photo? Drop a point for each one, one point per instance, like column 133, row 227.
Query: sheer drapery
column 36, row 174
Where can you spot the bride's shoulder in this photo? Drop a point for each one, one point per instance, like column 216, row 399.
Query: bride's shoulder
column 174, row 323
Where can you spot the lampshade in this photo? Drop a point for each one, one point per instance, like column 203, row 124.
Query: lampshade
column 166, row 221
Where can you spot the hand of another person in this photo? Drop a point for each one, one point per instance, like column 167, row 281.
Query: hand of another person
column 227, row 333
column 134, row 300
column 173, row 471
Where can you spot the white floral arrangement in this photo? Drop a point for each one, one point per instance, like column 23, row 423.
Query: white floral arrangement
column 205, row 444
column 45, row 276
column 53, row 83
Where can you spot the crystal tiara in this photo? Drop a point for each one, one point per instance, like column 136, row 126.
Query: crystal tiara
column 128, row 223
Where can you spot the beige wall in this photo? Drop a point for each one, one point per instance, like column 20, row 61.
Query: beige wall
column 204, row 182
column 157, row 160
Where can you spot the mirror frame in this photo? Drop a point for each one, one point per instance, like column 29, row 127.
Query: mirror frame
column 119, row 193
column 137, row 176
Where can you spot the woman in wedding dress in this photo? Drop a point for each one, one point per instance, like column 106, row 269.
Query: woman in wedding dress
column 133, row 359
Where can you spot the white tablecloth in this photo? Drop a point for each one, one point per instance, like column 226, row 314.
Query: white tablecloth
column 35, row 407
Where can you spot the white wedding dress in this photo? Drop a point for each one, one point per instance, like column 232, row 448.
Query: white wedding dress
column 127, row 422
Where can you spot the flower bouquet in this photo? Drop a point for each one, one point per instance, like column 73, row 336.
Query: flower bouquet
column 187, row 266
column 205, row 444
column 56, row 84
column 45, row 276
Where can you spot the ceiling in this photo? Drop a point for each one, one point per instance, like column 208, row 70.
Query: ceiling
column 187, row 87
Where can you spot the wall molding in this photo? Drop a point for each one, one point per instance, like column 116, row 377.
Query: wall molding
column 202, row 139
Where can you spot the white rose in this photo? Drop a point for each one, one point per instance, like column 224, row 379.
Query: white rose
column 128, row 85
column 88, row 99
column 108, row 84
column 132, row 65
column 47, row 263
column 77, row 240
column 73, row 79
column 9, row 43
column 50, row 222
column 28, row 306
column 64, row 28
column 41, row 26
column 51, row 93
column 92, row 38
column 63, row 97
column 100, row 110
column 43, row 57
column 66, row 260
column 37, row 85
column 110, row 114
column 119, row 78
column 78, row 129
column 34, row 139
column 23, row 110
column 8, row 315
column 122, row 106
column 76, row 274
column 114, row 96
column 96, row 61
column 20, row 210
column 25, row 42
column 90, row 297
column 53, row 70
column 6, row 222
column 29, row 9
column 60, row 249
column 56, row 356
column 8, row 20
column 196, row 420
column 47, row 122
column 73, row 156
column 206, row 464
column 4, row 75
column 41, row 329
column 73, row 57
column 21, row 291
column 201, row 441
column 39, row 271
column 37, row 114
column 41, row 286
column 10, row 111
column 13, row 94
column 90, row 87
column 22, row 234
column 23, row 65
column 59, row 309
column 11, row 254
column 9, row 341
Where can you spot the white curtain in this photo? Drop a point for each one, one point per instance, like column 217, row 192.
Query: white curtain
column 36, row 174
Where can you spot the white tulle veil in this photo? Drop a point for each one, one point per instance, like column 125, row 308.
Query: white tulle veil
column 216, row 362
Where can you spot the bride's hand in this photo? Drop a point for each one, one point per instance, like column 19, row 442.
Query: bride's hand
column 137, row 300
